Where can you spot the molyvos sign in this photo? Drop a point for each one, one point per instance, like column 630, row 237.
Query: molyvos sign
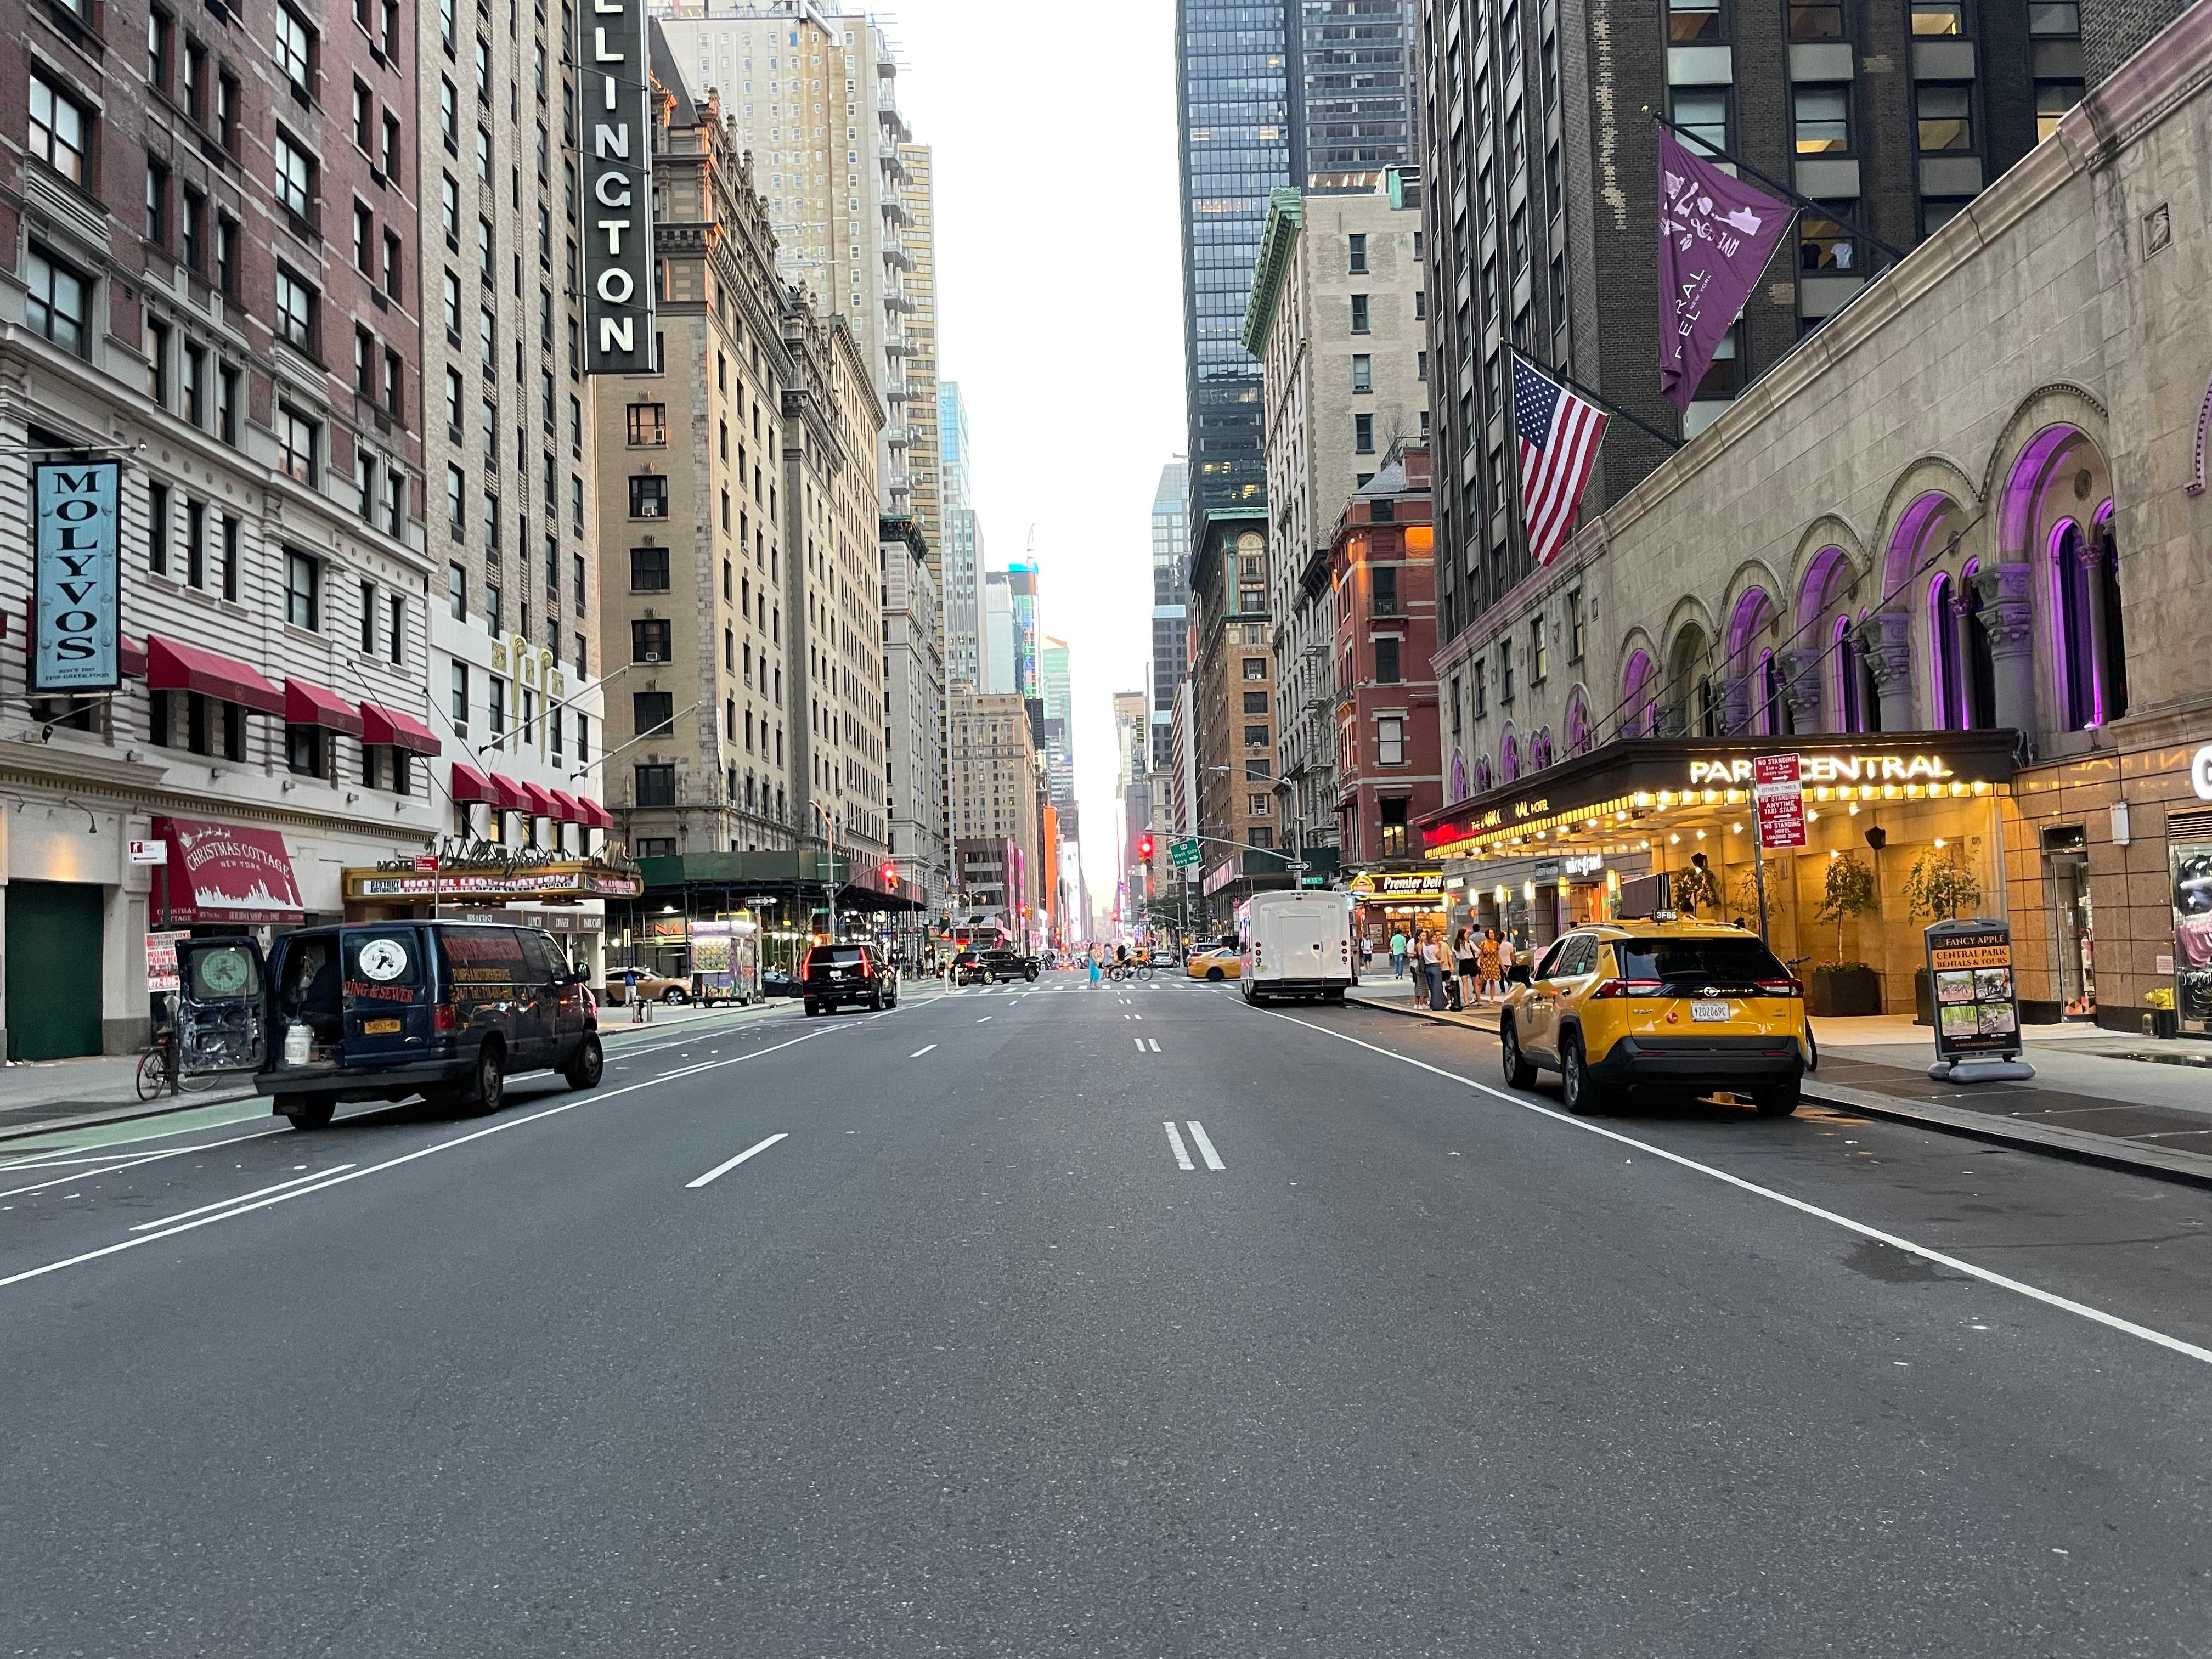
column 78, row 585
column 617, row 144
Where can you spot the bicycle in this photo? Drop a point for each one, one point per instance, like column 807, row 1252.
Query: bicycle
column 1119, row 973
column 1143, row 971
column 158, row 1072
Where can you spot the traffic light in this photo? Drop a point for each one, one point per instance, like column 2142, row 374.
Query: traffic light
column 890, row 874
column 1145, row 848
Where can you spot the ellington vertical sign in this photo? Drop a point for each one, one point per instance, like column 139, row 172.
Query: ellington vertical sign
column 617, row 144
column 77, row 583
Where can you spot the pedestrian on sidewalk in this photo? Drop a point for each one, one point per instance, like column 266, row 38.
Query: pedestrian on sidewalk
column 1485, row 966
column 1464, row 964
column 1398, row 952
column 1506, row 957
column 1433, row 969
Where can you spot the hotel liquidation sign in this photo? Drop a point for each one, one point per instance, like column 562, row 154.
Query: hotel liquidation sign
column 616, row 145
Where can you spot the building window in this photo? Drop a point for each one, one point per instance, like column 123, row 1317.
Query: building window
column 60, row 130
column 1723, row 376
column 1255, row 702
column 1704, row 114
column 1945, row 114
column 1695, row 21
column 1938, row 17
column 157, row 203
column 1356, row 253
column 1824, row 246
column 1540, row 651
column 1823, row 117
column 1363, row 371
column 1390, row 742
column 1359, row 319
column 492, row 620
column 2052, row 99
column 648, row 424
column 1386, row 662
column 295, row 179
column 460, row 699
column 649, row 497
column 1816, row 21
column 295, row 311
column 652, row 713
column 302, row 440
column 295, row 51
column 303, row 590
column 1363, row 434
column 303, row 750
column 648, row 570
column 1255, row 668
column 57, row 302
column 652, row 640
column 656, row 786
column 495, row 705
column 1255, row 737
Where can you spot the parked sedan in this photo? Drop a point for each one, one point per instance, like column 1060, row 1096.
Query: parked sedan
column 651, row 987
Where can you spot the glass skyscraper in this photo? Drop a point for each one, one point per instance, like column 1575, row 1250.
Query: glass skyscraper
column 1171, row 606
column 1311, row 93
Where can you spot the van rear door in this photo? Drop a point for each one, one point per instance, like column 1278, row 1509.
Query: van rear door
column 387, row 994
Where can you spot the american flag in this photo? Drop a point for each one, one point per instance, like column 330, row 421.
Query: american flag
column 1559, row 433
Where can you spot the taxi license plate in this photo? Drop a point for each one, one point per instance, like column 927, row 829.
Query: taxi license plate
column 1709, row 1011
column 380, row 1027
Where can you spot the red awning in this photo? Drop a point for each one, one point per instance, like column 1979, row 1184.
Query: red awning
column 311, row 705
column 134, row 658
column 506, row 795
column 570, row 810
column 468, row 785
column 596, row 816
column 538, row 803
column 170, row 666
column 398, row 731
column 220, row 872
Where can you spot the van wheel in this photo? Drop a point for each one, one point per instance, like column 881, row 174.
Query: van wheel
column 587, row 1065
column 487, row 1087
column 1520, row 1073
column 1775, row 1099
column 1576, row 1093
column 304, row 1112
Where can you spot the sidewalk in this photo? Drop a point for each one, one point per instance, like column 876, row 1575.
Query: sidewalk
column 38, row 1096
column 2138, row 1104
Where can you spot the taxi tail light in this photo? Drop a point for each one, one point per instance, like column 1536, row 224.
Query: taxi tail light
column 1630, row 987
column 445, row 1017
column 1782, row 987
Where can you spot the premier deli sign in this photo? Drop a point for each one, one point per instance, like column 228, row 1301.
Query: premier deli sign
column 616, row 145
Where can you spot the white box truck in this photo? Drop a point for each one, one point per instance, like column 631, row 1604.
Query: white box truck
column 1296, row 945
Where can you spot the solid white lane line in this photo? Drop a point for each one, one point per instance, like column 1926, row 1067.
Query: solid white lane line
column 2034, row 1294
column 919, row 1051
column 224, row 1204
column 1175, row 1141
column 1205, row 1147
column 1139, row 1041
column 135, row 1160
column 721, row 1170
column 985, row 1020
column 376, row 1169
column 1155, row 1041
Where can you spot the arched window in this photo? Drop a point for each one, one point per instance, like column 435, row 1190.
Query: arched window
column 1844, row 650
column 2112, row 628
column 1578, row 723
column 1486, row 775
column 1981, row 691
column 1509, row 758
column 1774, row 716
column 1944, row 680
column 1539, row 749
column 2074, row 628
column 1639, row 712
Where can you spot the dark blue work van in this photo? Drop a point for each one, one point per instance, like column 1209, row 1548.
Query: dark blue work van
column 448, row 1010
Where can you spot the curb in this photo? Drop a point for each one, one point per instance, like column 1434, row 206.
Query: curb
column 192, row 1104
column 1408, row 1012
column 2160, row 1162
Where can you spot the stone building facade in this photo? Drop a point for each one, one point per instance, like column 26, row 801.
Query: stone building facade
column 1965, row 522
column 914, row 714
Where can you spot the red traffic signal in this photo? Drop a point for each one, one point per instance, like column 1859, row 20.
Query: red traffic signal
column 1145, row 848
column 890, row 874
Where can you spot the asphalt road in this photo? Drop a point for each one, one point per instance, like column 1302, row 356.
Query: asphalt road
column 1044, row 1321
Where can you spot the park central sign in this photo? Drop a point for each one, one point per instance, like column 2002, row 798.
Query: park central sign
column 1831, row 768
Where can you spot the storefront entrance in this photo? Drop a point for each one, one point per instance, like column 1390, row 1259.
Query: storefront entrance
column 53, row 969
column 2073, row 936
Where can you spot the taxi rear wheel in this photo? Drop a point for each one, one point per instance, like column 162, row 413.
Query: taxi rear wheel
column 1520, row 1072
column 1576, row 1093
column 1776, row 1100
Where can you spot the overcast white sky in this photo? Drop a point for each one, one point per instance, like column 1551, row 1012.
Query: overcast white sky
column 1060, row 311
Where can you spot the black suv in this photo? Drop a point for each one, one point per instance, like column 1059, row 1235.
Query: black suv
column 833, row 975
column 974, row 967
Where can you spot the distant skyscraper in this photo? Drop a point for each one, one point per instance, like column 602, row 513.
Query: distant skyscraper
column 1171, row 605
column 1315, row 94
column 999, row 659
column 1021, row 583
column 1058, row 725
column 962, row 556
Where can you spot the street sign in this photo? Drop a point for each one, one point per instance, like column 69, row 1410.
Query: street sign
column 1185, row 853
column 161, row 959
column 1777, row 789
column 426, row 866
column 149, row 852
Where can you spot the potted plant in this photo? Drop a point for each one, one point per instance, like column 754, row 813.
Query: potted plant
column 1841, row 987
column 1941, row 885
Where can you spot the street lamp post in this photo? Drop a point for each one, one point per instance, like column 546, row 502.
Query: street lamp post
column 830, row 837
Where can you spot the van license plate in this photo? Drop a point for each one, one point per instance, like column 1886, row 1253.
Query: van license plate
column 380, row 1027
column 1709, row 1011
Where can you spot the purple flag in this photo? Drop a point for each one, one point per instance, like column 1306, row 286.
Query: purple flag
column 1715, row 235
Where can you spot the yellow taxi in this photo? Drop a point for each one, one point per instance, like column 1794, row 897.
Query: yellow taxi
column 1663, row 1003
column 1216, row 964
